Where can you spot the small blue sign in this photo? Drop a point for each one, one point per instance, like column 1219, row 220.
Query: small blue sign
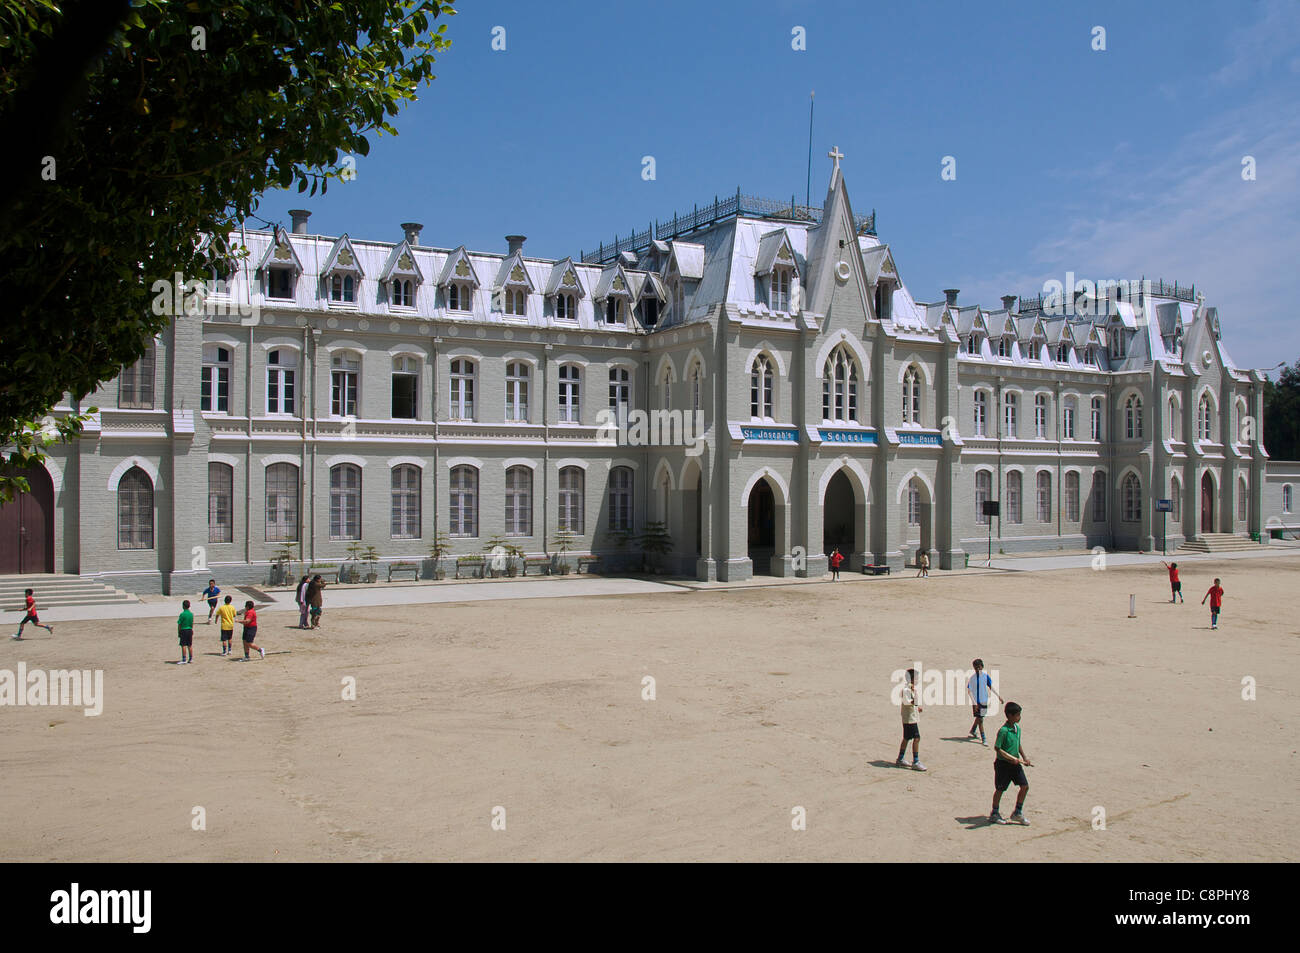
column 1164, row 506
column 921, row 439
column 780, row 434
column 847, row 436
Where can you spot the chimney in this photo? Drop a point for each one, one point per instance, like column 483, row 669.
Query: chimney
column 1008, row 302
column 300, row 216
column 951, row 295
column 515, row 243
column 412, row 232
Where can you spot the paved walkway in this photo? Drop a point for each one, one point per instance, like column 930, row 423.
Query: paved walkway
column 546, row 587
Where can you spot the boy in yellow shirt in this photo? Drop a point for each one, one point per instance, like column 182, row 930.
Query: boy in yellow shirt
column 226, row 616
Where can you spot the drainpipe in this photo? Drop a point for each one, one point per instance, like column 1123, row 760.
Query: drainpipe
column 302, row 456
column 1060, row 487
column 433, row 361
column 248, row 448
column 546, row 447
column 310, row 369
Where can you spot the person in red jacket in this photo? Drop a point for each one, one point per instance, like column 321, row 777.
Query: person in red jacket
column 250, row 630
column 1175, row 587
column 1215, row 595
column 836, row 559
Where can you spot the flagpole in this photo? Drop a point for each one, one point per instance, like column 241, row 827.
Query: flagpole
column 807, row 199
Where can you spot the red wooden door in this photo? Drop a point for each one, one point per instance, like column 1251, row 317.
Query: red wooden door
column 27, row 527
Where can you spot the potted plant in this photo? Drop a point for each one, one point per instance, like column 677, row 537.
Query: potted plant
column 371, row 558
column 564, row 542
column 351, row 572
column 438, row 549
column 656, row 543
column 502, row 555
column 282, row 566
column 619, row 539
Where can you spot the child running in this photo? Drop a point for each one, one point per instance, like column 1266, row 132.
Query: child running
column 211, row 594
column 1011, row 761
column 836, row 559
column 31, row 617
column 250, row 630
column 911, row 726
column 185, row 630
column 978, row 689
column 1175, row 587
column 1215, row 595
column 226, row 616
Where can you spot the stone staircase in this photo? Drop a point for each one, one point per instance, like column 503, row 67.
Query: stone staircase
column 56, row 589
column 1219, row 543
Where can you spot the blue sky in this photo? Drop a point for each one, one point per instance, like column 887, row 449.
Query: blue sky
column 1110, row 164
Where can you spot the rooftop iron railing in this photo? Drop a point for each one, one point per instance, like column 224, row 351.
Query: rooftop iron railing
column 1155, row 287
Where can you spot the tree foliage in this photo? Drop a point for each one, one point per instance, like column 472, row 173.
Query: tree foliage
column 132, row 128
column 1282, row 415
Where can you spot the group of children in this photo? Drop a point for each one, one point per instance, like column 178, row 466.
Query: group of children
column 227, row 616
column 1009, row 757
column 1214, row 593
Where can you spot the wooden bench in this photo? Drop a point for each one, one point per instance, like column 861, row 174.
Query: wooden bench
column 587, row 561
column 412, row 568
column 324, row 571
column 471, row 561
column 872, row 570
column 543, row 563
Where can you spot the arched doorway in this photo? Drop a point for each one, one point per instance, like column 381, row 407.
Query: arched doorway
column 1207, row 503
column 691, row 517
column 916, row 517
column 838, row 517
column 762, row 527
column 27, row 526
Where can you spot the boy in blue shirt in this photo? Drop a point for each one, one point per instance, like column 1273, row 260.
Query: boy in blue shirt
column 978, row 689
column 211, row 594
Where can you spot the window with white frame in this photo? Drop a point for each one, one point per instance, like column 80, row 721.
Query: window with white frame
column 620, row 499
column 1043, row 489
column 614, row 313
column 648, row 310
column 1133, row 418
column 517, row 374
column 519, row 501
column 1014, row 487
column 566, row 307
column 1131, row 495
column 221, row 492
column 404, row 519
column 1010, row 405
column 1040, row 416
column 1067, row 418
column 1286, row 498
column 972, row 344
column 779, row 295
column 345, row 501
column 666, row 390
column 1004, row 346
column 620, row 393
column 281, row 374
column 463, row 372
column 1062, row 354
column 460, row 296
column 1204, row 418
column 760, row 387
column 1175, row 424
column 1175, row 500
column 345, row 371
column 463, row 501
column 983, row 493
column 1095, row 418
column 406, row 388
column 135, row 510
column 679, row 300
column 1090, row 356
column 282, row 492
column 343, row 288
column 1117, row 343
column 280, row 282
column 135, row 383
column 697, row 375
column 1099, row 497
column 1243, row 495
column 1072, row 497
column 840, row 387
column 403, row 293
column 214, row 380
column 912, row 396
column 981, row 413
column 884, row 301
column 570, row 393
column 571, row 500
column 913, row 503
column 516, row 301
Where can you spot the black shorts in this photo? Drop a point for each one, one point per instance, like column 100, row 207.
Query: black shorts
column 227, row 635
column 250, row 633
column 187, row 638
column 1178, row 586
column 1005, row 773
column 30, row 617
column 911, row 731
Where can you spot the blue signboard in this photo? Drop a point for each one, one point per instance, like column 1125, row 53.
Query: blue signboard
column 847, row 436
column 1164, row 506
column 782, row 434
column 921, row 439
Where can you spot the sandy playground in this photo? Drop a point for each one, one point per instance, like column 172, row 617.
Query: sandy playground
column 767, row 699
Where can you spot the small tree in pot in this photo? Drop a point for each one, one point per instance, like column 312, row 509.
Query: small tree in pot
column 656, row 543
column 564, row 542
column 439, row 548
column 501, row 555
column 619, row 539
column 371, row 558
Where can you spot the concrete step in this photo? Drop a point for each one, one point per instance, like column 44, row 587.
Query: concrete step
column 56, row 590
column 1219, row 543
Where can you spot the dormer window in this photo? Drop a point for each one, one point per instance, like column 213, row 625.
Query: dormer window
column 403, row 293
column 1116, row 343
column 566, row 307
column 884, row 300
column 649, row 311
column 280, row 282
column 679, row 300
column 1062, row 354
column 516, row 302
column 459, row 296
column 343, row 288
column 1004, row 347
column 614, row 311
column 779, row 292
column 972, row 344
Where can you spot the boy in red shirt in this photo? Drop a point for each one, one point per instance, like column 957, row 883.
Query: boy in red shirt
column 836, row 559
column 31, row 617
column 1215, row 595
column 1175, row 587
column 250, row 630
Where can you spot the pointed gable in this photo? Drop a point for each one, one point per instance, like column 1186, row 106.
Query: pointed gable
column 401, row 263
column 280, row 253
column 458, row 267
column 613, row 283
column 828, row 260
column 774, row 248
column 342, row 257
column 564, row 278
column 513, row 274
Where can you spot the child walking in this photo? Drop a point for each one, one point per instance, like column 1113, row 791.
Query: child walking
column 911, row 726
column 1215, row 595
column 31, row 616
column 315, row 599
column 978, row 689
column 836, row 559
column 923, row 564
column 211, row 594
column 226, row 616
column 185, row 630
column 1175, row 587
column 250, row 630
column 1009, row 766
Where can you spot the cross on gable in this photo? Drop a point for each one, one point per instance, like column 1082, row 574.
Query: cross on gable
column 835, row 155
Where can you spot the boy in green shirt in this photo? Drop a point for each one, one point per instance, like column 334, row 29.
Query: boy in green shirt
column 1010, row 766
column 185, row 630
